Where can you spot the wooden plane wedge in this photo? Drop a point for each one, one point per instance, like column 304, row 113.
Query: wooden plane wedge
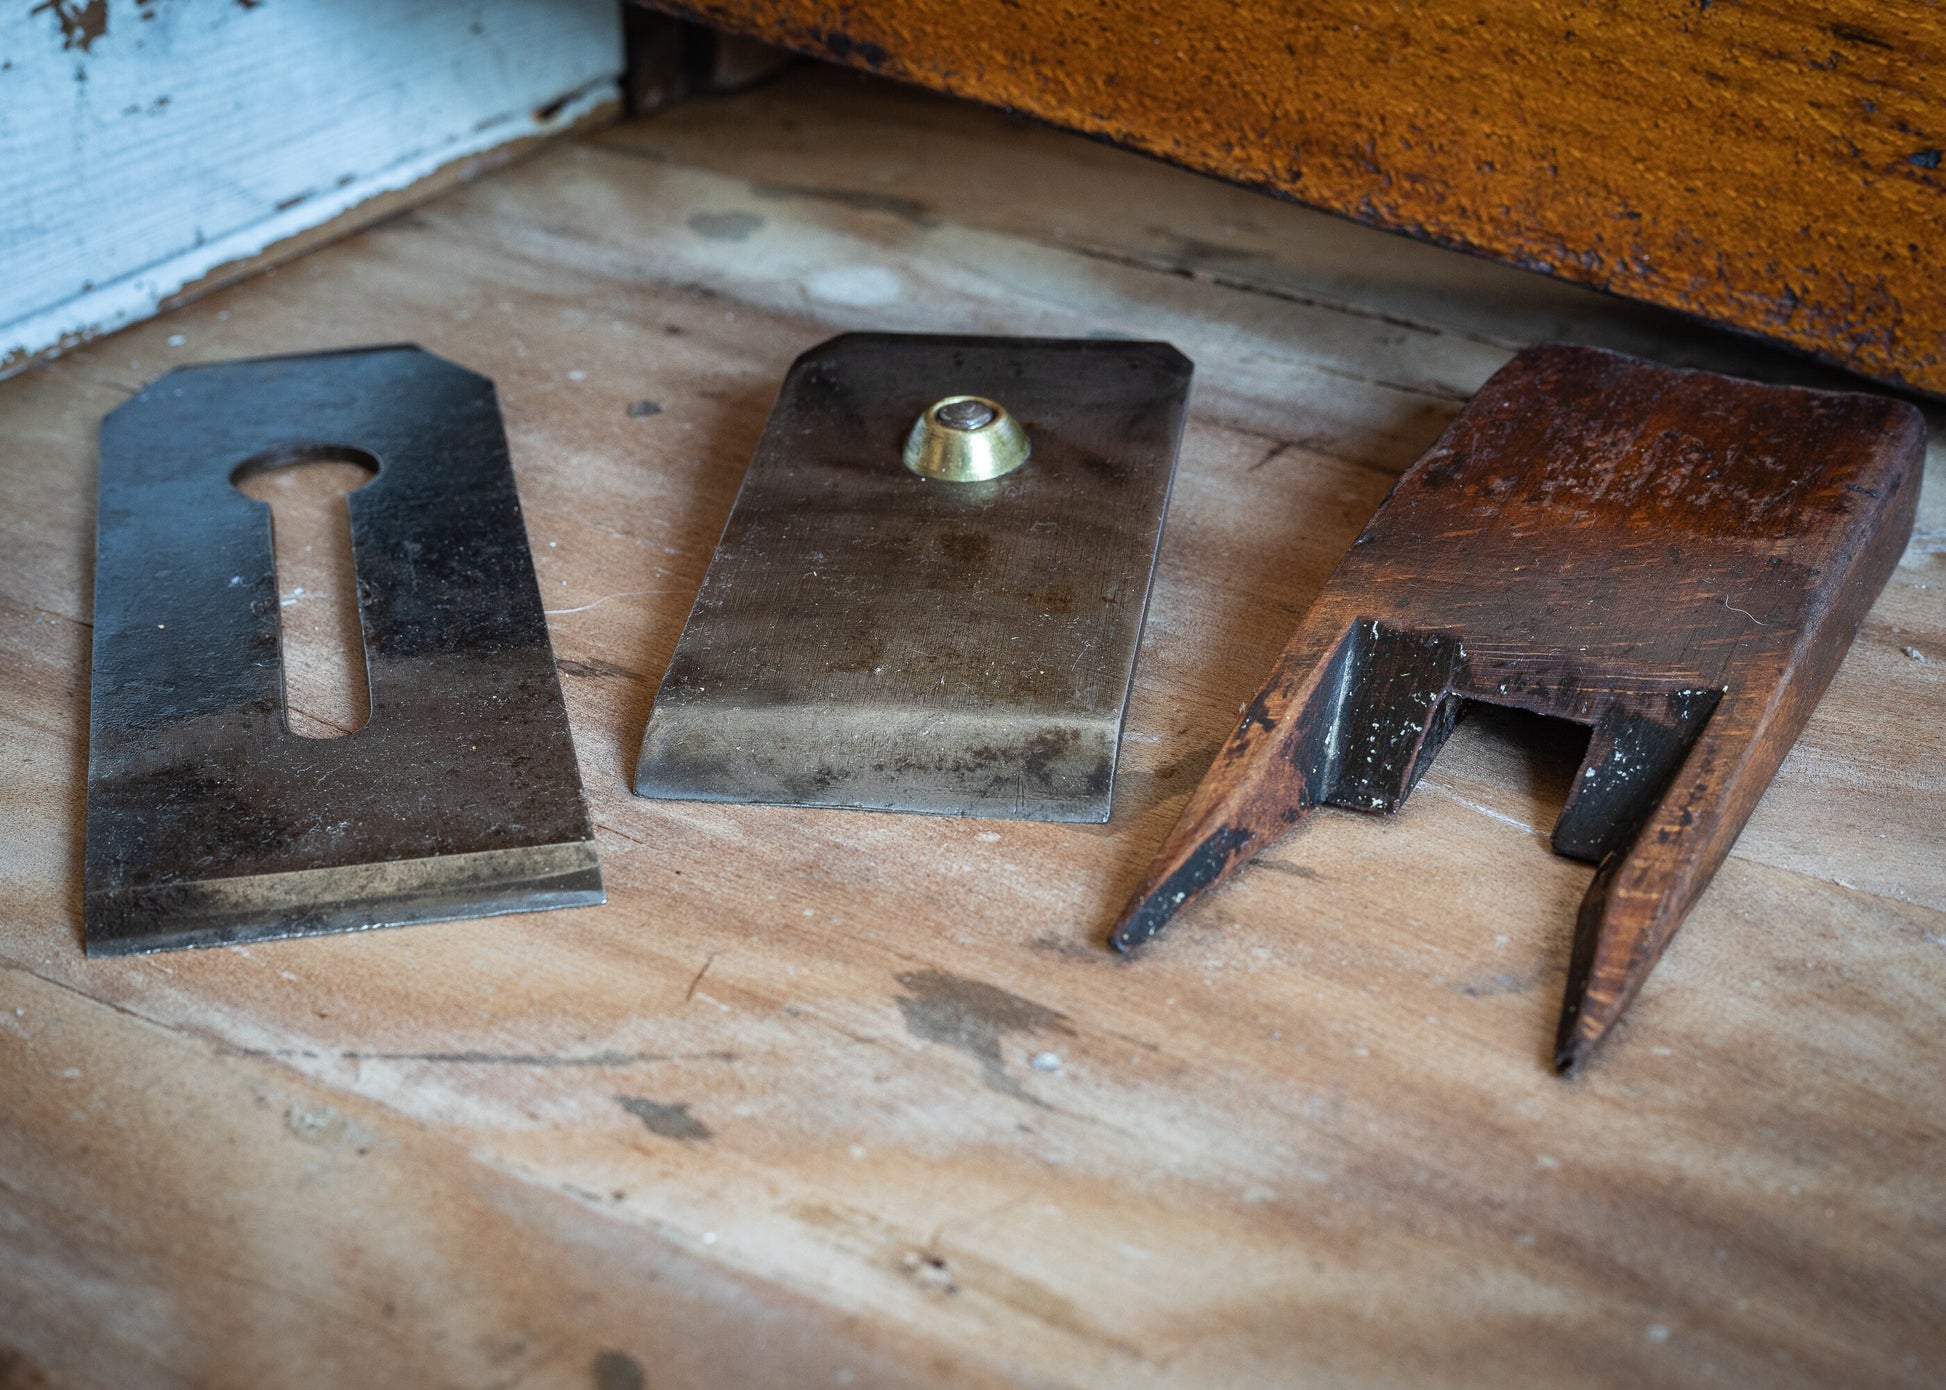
column 1674, row 559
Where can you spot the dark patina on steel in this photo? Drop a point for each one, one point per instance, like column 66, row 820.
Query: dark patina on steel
column 870, row 638
column 1674, row 559
column 208, row 820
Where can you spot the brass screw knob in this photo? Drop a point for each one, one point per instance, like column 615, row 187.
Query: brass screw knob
column 965, row 439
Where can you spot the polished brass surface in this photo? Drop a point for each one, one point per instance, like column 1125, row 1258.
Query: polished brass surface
column 966, row 439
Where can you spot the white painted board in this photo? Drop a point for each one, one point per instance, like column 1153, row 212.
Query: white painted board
column 146, row 143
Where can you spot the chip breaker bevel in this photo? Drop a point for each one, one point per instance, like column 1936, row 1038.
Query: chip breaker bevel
column 208, row 820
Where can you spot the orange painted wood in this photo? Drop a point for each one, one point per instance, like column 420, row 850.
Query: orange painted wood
column 1771, row 167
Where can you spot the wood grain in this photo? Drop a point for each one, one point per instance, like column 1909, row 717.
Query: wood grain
column 1776, row 168
column 1580, row 544
column 774, row 1112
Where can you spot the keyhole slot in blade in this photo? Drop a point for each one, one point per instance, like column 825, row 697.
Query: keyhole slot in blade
column 327, row 689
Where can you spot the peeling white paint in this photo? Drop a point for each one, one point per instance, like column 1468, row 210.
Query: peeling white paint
column 138, row 158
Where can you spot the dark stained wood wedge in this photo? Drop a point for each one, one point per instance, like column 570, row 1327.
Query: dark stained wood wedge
column 1675, row 559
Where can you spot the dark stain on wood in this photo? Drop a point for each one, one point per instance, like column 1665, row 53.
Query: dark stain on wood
column 725, row 226
column 973, row 1016
column 670, row 1119
column 857, row 199
column 617, row 1370
column 1674, row 559
column 596, row 670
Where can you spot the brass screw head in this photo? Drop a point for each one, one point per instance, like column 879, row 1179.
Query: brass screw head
column 965, row 439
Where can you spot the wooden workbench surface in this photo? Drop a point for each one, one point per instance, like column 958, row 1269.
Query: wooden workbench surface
column 823, row 1098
